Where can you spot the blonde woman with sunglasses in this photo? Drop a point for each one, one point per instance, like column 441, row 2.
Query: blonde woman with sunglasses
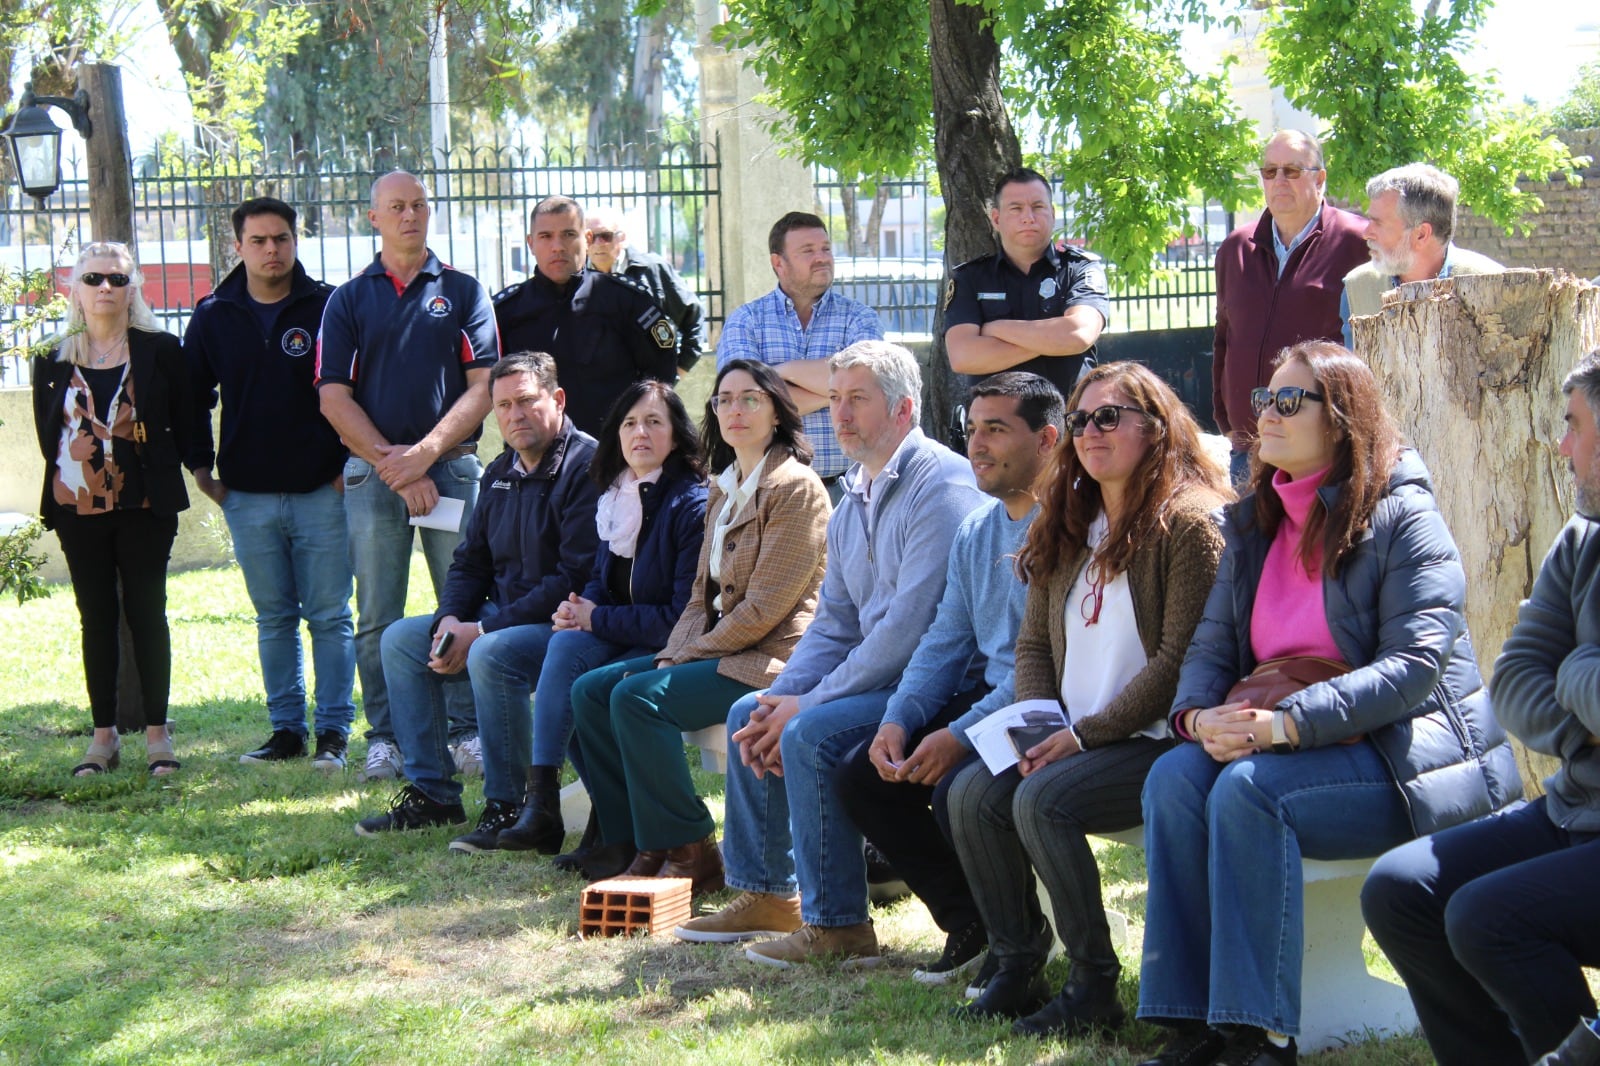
column 110, row 405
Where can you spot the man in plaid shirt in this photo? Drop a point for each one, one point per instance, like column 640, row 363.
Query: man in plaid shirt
column 798, row 326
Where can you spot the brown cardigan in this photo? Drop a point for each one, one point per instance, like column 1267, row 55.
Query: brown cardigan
column 782, row 536
column 1170, row 578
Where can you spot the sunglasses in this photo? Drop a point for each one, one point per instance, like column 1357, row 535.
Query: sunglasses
column 1292, row 173
column 95, row 280
column 602, row 235
column 1105, row 419
column 1287, row 400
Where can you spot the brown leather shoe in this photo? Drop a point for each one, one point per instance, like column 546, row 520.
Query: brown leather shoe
column 646, row 864
column 700, row 861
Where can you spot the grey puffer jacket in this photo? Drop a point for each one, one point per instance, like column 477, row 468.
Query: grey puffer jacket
column 1395, row 612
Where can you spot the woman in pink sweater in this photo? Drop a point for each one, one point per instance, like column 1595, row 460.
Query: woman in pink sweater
column 1338, row 551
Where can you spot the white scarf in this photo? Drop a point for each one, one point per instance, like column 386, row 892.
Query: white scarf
column 620, row 512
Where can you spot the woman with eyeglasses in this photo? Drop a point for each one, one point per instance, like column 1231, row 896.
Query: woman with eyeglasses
column 1118, row 565
column 1338, row 553
column 755, row 592
column 110, row 404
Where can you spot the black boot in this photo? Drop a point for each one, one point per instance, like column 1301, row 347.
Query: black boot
column 538, row 827
column 572, row 861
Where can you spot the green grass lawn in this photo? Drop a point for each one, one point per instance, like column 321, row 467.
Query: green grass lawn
column 229, row 913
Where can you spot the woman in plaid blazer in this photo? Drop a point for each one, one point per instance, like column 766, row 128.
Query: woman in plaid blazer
column 756, row 589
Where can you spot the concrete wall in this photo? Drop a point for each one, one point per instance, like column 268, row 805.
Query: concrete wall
column 202, row 534
column 1565, row 235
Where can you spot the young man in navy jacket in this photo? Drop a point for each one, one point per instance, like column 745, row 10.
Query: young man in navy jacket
column 252, row 343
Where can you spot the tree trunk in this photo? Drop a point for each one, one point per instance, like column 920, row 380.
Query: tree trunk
column 1472, row 368
column 974, row 144
column 880, row 200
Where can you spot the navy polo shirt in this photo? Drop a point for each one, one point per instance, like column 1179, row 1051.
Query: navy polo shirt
column 405, row 351
column 991, row 288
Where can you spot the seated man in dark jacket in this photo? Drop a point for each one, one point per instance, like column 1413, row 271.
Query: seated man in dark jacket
column 529, row 543
column 1491, row 923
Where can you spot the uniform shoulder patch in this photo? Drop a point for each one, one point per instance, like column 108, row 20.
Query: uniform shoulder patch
column 949, row 293
column 663, row 333
column 507, row 293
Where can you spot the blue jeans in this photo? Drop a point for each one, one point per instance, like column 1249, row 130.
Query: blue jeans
column 572, row 653
column 822, row 854
column 1225, row 923
column 295, row 556
column 380, row 556
column 502, row 666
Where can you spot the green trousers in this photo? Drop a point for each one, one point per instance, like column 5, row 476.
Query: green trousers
column 630, row 720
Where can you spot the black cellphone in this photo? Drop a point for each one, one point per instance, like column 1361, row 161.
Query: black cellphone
column 1023, row 737
column 442, row 645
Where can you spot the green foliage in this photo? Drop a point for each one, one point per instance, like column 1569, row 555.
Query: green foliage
column 1389, row 84
column 363, row 71
column 1129, row 128
column 32, row 294
column 1580, row 109
column 233, row 87
column 851, row 75
column 1131, row 131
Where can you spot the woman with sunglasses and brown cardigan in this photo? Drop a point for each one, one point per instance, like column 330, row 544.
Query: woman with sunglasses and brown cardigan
column 1338, row 553
column 110, row 404
column 1118, row 565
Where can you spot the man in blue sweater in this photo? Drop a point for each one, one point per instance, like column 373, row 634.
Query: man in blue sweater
column 893, row 787
column 281, row 487
column 888, row 544
column 529, row 543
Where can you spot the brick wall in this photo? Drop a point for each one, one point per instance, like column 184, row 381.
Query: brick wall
column 1565, row 234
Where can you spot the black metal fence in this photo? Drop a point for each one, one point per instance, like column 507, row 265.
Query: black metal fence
column 481, row 198
column 897, row 265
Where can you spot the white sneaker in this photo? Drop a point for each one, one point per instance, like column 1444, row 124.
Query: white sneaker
column 383, row 761
column 468, row 756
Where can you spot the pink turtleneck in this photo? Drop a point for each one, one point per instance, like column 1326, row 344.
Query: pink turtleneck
column 1289, row 617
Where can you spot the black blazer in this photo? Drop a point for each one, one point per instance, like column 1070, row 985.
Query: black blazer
column 161, row 384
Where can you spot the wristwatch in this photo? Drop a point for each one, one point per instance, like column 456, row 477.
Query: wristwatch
column 1280, row 733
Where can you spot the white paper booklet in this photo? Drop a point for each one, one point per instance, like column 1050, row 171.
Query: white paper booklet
column 1039, row 718
column 446, row 515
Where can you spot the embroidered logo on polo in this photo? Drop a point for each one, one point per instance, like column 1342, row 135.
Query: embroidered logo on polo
column 438, row 307
column 296, row 342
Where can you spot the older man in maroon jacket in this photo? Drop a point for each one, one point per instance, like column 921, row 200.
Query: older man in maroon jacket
column 1279, row 281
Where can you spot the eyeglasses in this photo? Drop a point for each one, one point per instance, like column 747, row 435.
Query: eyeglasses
column 1291, row 173
column 748, row 402
column 1286, row 400
column 1095, row 598
column 95, row 280
column 602, row 235
column 1105, row 418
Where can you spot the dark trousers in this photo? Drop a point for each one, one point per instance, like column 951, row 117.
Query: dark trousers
column 1008, row 826
column 908, row 822
column 133, row 546
column 1489, row 924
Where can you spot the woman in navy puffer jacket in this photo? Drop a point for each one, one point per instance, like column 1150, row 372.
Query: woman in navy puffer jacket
column 1339, row 553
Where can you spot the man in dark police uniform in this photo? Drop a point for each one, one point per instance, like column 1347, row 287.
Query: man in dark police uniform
column 603, row 331
column 1033, row 305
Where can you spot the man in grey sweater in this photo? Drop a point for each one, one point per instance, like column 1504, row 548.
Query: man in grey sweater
column 894, row 787
column 1490, row 923
column 888, row 543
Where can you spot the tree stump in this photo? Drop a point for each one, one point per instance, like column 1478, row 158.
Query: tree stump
column 1472, row 370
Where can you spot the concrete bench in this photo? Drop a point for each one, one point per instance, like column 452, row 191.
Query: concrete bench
column 1340, row 1000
